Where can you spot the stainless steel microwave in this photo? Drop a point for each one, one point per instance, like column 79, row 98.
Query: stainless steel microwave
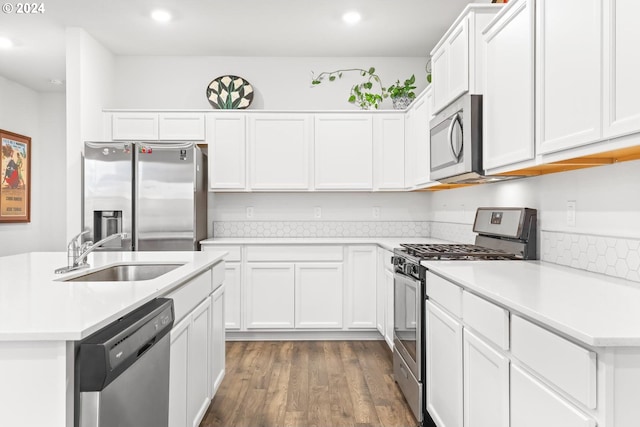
column 456, row 142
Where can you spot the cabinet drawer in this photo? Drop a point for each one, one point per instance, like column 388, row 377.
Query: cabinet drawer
column 445, row 293
column 235, row 252
column 486, row 318
column 386, row 259
column 187, row 297
column 294, row 253
column 181, row 127
column 568, row 366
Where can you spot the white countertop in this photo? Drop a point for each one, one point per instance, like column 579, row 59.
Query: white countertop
column 598, row 310
column 388, row 243
column 35, row 305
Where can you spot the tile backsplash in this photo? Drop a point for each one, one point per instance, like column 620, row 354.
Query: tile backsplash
column 613, row 256
column 321, row 229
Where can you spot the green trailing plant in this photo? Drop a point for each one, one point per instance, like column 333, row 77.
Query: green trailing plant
column 362, row 94
column 407, row 89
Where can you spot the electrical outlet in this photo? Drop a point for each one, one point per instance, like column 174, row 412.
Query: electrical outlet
column 571, row 213
column 250, row 212
column 376, row 212
column 317, row 212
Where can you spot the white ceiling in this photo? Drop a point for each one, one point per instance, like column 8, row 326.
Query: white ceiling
column 302, row 28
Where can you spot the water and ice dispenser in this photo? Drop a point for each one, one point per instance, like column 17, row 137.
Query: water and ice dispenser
column 106, row 223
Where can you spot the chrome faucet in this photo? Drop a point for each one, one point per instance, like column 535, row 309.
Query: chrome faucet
column 77, row 253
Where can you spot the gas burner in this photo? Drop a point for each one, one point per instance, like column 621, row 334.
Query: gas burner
column 455, row 252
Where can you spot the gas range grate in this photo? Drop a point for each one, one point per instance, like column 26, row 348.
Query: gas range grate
column 456, row 251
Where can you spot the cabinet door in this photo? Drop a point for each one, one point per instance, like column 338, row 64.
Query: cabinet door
column 439, row 70
column 508, row 101
column 343, row 152
column 232, row 301
column 269, row 295
column 389, row 313
column 361, row 287
column 486, row 384
column 318, row 295
column 621, row 67
column 444, row 367
column 569, row 76
column 178, row 373
column 217, row 351
column 389, row 139
column 421, row 138
column 534, row 405
column 198, row 382
column 226, row 140
column 279, row 151
column 457, row 45
column 134, row 126
column 181, row 126
column 381, row 294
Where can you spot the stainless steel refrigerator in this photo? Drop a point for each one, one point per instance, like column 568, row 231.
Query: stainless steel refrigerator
column 154, row 192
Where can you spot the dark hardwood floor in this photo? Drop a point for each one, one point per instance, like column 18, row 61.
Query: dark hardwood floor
column 308, row 384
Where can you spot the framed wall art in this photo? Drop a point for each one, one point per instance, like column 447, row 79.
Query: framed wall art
column 15, row 188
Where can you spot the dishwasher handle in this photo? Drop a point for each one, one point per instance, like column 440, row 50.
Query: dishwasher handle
column 106, row 354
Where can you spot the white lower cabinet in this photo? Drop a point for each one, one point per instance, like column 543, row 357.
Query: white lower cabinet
column 486, row 384
column 444, row 367
column 270, row 295
column 534, row 405
column 189, row 367
column 361, row 287
column 232, row 297
column 318, row 294
column 217, row 351
column 384, row 296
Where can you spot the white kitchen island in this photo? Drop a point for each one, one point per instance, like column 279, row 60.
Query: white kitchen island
column 41, row 318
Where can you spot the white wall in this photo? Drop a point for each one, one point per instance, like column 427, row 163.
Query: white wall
column 334, row 206
column 90, row 81
column 170, row 82
column 41, row 117
column 607, row 200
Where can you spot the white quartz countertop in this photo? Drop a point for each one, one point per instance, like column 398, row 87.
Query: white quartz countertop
column 36, row 306
column 388, row 243
column 595, row 309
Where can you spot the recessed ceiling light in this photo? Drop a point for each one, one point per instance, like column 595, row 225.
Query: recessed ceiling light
column 5, row 43
column 160, row 15
column 351, row 18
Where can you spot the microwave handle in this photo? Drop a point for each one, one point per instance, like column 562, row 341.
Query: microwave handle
column 451, row 126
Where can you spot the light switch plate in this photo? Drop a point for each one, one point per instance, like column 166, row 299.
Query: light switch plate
column 317, row 212
column 571, row 213
column 250, row 212
column 376, row 212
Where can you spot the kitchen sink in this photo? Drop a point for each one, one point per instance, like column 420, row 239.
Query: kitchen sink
column 125, row 273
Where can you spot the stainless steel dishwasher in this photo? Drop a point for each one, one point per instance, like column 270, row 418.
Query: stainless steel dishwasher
column 123, row 370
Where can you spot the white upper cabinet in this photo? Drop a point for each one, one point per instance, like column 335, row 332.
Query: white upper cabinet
column 181, row 126
column 134, row 126
column 457, row 46
column 622, row 67
column 227, row 151
column 279, row 151
column 389, row 145
column 343, row 152
column 420, row 139
column 458, row 59
column 143, row 126
column 508, row 101
column 569, row 73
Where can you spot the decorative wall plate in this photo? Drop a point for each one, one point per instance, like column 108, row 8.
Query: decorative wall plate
column 230, row 92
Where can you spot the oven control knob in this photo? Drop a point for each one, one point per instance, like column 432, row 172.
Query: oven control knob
column 413, row 269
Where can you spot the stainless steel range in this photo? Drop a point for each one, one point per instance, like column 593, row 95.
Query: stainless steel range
column 503, row 234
